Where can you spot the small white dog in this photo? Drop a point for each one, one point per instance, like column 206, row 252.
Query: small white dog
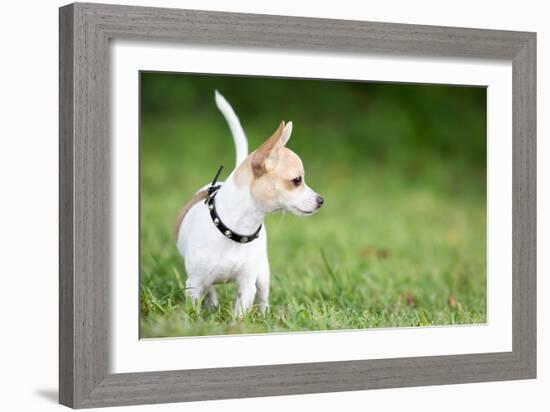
column 220, row 232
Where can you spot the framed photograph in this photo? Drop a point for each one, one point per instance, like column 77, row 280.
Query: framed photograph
column 256, row 205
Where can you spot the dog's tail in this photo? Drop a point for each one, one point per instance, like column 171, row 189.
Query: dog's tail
column 241, row 143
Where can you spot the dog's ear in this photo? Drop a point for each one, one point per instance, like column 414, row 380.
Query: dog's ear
column 265, row 157
column 285, row 137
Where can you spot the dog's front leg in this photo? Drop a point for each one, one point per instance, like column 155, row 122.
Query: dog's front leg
column 246, row 290
column 262, row 287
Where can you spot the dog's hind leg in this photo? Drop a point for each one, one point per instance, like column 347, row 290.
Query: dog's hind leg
column 193, row 291
column 211, row 298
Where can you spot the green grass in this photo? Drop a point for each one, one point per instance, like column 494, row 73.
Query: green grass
column 400, row 240
column 384, row 251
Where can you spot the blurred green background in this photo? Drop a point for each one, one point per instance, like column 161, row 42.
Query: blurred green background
column 401, row 238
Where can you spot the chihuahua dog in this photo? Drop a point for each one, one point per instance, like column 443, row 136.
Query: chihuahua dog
column 220, row 231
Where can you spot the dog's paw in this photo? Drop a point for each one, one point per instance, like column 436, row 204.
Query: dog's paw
column 263, row 308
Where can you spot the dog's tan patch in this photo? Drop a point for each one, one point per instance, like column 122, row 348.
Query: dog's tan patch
column 270, row 169
column 201, row 195
column 270, row 186
column 261, row 156
column 290, row 165
column 243, row 175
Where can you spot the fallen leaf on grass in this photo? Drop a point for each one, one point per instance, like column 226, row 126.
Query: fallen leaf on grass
column 451, row 237
column 408, row 298
column 382, row 253
column 453, row 303
column 370, row 252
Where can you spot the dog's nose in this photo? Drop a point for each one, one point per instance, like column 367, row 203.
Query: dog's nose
column 320, row 201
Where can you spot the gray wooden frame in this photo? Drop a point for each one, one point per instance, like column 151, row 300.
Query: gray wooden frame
column 85, row 31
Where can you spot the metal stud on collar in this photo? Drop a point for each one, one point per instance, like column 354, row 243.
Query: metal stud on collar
column 211, row 204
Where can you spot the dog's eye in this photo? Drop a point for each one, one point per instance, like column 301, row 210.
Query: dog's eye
column 297, row 181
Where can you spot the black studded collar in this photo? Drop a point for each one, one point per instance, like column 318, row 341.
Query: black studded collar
column 228, row 233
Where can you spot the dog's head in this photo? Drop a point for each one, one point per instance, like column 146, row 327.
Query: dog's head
column 276, row 177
